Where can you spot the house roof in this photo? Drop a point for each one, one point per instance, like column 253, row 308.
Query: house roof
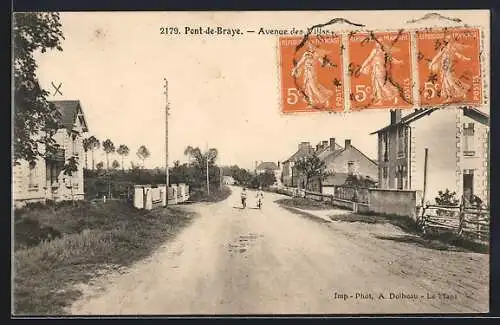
column 323, row 152
column 419, row 113
column 301, row 153
column 69, row 110
column 267, row 165
column 337, row 153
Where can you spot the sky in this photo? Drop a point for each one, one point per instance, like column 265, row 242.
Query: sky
column 223, row 90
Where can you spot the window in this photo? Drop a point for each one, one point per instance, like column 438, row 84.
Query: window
column 384, row 172
column 385, row 146
column 32, row 177
column 52, row 172
column 468, row 132
column 350, row 167
column 74, row 180
column 74, row 146
column 401, row 177
column 402, row 141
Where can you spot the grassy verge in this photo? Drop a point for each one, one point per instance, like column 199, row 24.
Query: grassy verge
column 216, row 195
column 441, row 240
column 85, row 238
column 303, row 203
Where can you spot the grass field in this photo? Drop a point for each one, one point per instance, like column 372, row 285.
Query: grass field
column 58, row 247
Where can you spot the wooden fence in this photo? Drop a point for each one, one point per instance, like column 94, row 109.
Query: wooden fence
column 469, row 222
column 473, row 223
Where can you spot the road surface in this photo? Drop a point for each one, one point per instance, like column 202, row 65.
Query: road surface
column 274, row 261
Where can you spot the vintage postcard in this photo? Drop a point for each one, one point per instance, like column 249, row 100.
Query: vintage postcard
column 251, row 163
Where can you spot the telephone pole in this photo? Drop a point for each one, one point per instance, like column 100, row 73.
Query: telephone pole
column 166, row 138
column 208, row 178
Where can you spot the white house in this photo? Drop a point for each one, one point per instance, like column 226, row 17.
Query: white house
column 45, row 180
column 228, row 180
column 457, row 141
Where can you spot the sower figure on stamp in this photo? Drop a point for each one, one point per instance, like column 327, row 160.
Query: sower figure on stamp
column 316, row 93
column 442, row 65
column 376, row 64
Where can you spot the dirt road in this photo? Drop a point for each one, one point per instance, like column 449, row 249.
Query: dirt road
column 273, row 261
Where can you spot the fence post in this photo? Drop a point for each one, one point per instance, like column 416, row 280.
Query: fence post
column 461, row 218
column 421, row 219
column 478, row 224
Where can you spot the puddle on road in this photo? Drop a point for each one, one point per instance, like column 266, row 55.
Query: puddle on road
column 243, row 243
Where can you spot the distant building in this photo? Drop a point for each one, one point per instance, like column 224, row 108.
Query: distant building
column 266, row 167
column 45, row 180
column 342, row 163
column 228, row 180
column 458, row 152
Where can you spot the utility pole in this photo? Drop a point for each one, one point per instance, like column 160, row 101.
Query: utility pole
column 166, row 139
column 425, row 176
column 208, row 179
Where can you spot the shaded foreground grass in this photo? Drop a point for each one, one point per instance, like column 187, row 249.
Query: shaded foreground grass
column 92, row 236
column 216, row 195
column 441, row 240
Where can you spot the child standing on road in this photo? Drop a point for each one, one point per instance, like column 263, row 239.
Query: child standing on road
column 243, row 197
column 260, row 196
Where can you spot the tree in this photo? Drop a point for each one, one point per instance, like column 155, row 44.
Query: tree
column 123, row 151
column 143, row 154
column 108, row 147
column 266, row 179
column 309, row 167
column 36, row 120
column 115, row 164
column 86, row 148
column 94, row 144
column 99, row 165
column 199, row 160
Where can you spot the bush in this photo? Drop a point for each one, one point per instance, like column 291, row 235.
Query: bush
column 447, row 198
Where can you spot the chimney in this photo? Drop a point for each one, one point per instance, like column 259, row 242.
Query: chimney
column 332, row 144
column 395, row 116
column 347, row 143
column 304, row 146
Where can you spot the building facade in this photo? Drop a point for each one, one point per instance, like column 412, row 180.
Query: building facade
column 457, row 145
column 45, row 179
column 289, row 175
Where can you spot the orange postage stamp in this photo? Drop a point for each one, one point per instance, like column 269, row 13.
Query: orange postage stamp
column 380, row 70
column 449, row 66
column 311, row 74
